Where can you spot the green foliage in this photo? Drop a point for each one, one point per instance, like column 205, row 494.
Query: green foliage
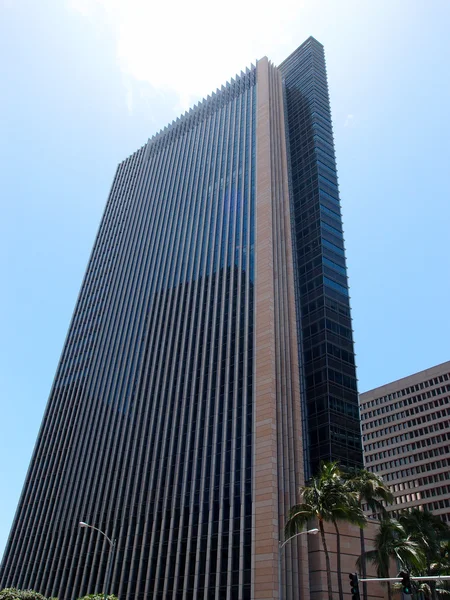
column 392, row 542
column 97, row 597
column 419, row 542
column 330, row 498
column 442, row 564
column 15, row 594
column 370, row 489
column 432, row 536
column 429, row 532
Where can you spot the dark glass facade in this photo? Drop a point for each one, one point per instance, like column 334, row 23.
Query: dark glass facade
column 174, row 423
column 147, row 433
column 330, row 399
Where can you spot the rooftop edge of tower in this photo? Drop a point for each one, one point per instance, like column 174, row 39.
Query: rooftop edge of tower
column 310, row 39
column 201, row 104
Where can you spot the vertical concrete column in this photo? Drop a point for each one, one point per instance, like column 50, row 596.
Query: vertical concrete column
column 299, row 562
column 265, row 481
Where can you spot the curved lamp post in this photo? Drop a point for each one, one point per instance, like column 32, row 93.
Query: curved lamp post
column 281, row 545
column 112, row 547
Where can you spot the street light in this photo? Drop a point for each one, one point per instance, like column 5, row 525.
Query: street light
column 281, row 545
column 112, row 547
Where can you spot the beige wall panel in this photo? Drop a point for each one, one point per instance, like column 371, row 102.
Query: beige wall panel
column 350, row 551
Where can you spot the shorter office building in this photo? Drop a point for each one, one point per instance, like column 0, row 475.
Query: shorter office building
column 406, row 439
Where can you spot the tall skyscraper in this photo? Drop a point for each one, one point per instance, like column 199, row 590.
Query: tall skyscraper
column 406, row 435
column 209, row 363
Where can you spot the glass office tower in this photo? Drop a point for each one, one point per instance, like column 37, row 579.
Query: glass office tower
column 330, row 399
column 209, row 362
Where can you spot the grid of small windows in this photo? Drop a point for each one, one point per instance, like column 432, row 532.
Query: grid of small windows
column 409, row 458
column 406, row 434
column 433, row 507
column 438, row 415
column 331, row 401
column 396, row 473
column 148, row 430
column 396, row 400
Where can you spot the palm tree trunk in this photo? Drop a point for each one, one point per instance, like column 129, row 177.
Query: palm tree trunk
column 431, row 583
column 433, row 590
column 327, row 560
column 389, row 590
column 338, row 555
column 363, row 570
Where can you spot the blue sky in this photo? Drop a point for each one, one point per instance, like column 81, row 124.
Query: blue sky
column 86, row 82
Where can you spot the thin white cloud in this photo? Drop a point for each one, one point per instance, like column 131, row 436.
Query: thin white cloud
column 193, row 47
column 349, row 121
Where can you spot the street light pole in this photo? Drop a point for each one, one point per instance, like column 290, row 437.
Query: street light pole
column 112, row 548
column 281, row 545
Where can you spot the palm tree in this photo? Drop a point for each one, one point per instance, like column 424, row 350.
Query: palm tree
column 392, row 542
column 370, row 489
column 429, row 532
column 442, row 565
column 425, row 591
column 327, row 498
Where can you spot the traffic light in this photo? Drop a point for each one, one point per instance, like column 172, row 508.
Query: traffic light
column 406, row 582
column 354, row 586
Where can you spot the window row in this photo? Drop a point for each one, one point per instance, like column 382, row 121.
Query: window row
column 429, row 441
column 410, row 412
column 392, row 464
column 410, row 434
column 411, row 471
column 406, row 391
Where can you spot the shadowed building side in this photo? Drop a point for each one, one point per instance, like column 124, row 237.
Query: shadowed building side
column 329, row 393
column 148, row 430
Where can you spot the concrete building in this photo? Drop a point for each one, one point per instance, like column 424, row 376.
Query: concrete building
column 406, row 438
column 209, row 364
